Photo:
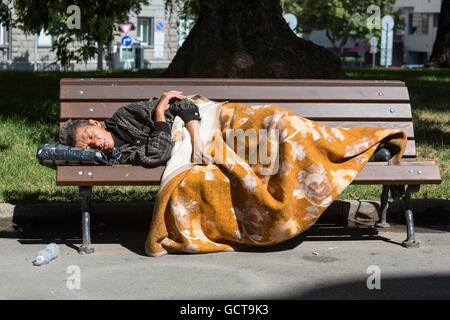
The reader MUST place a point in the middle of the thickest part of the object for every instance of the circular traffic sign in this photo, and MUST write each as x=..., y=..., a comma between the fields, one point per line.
x=126, y=41
x=291, y=20
x=159, y=25
x=373, y=41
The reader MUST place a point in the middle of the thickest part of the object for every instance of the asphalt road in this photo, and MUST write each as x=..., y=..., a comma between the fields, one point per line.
x=326, y=262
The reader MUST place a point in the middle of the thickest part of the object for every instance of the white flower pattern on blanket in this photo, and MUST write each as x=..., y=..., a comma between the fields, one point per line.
x=213, y=207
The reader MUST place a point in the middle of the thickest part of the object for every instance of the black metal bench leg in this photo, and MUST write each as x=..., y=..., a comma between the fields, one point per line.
x=383, y=208
x=410, y=241
x=86, y=247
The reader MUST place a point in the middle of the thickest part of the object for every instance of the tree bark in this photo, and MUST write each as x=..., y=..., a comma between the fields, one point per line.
x=333, y=41
x=342, y=45
x=440, y=56
x=249, y=39
x=100, y=57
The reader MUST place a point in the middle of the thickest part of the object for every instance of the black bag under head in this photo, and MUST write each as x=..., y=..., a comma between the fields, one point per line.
x=54, y=154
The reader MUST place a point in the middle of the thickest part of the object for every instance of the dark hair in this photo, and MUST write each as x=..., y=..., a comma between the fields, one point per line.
x=67, y=132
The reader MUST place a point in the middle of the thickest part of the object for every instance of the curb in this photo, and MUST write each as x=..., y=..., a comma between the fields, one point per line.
x=351, y=210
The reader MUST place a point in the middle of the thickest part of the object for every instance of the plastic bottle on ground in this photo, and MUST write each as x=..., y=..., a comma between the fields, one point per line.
x=47, y=254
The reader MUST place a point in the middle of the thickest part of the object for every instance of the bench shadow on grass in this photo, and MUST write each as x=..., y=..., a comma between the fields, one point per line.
x=60, y=196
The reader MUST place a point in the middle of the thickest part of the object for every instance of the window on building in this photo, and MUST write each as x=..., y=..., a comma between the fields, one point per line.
x=418, y=23
x=145, y=30
x=435, y=20
x=45, y=39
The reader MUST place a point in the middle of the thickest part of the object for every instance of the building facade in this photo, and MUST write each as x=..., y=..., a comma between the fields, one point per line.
x=421, y=21
x=413, y=44
x=155, y=39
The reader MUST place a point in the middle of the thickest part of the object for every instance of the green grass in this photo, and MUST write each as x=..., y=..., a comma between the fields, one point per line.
x=29, y=111
x=429, y=91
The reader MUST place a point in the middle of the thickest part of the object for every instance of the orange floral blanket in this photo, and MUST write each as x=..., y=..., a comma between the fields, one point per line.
x=274, y=174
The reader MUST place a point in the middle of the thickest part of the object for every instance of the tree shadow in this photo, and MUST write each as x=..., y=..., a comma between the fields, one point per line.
x=127, y=223
x=428, y=132
x=64, y=196
x=3, y=147
x=322, y=232
x=106, y=227
x=404, y=288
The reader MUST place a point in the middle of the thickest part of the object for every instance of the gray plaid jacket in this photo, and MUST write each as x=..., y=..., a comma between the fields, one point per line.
x=150, y=148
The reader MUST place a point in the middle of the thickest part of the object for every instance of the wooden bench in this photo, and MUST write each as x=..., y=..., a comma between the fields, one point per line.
x=343, y=103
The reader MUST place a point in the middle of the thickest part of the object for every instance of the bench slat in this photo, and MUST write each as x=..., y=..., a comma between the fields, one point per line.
x=336, y=103
x=228, y=81
x=410, y=151
x=372, y=173
x=242, y=93
x=406, y=126
x=314, y=111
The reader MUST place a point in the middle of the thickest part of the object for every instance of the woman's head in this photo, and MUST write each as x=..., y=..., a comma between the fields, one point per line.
x=86, y=134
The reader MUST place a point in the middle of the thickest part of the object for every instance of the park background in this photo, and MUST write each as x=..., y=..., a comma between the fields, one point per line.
x=29, y=82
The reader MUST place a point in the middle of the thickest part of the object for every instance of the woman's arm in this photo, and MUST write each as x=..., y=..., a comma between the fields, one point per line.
x=198, y=150
x=199, y=154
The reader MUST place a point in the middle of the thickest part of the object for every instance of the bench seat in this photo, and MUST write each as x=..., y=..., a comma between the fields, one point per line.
x=412, y=172
x=335, y=103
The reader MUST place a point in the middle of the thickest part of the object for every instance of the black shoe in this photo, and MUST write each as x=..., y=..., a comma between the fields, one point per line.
x=381, y=154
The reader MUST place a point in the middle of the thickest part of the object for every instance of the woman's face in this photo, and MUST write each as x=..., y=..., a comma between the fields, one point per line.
x=93, y=137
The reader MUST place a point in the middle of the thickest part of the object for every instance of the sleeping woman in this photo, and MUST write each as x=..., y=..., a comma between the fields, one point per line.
x=141, y=130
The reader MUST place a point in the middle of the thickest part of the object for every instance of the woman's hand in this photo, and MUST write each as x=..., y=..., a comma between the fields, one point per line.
x=166, y=98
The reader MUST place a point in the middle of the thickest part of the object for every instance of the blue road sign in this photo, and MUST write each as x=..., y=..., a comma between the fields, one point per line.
x=127, y=41
x=159, y=26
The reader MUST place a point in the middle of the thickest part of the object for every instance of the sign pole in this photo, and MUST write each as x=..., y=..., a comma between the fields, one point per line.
x=158, y=48
x=373, y=49
x=387, y=47
x=35, y=51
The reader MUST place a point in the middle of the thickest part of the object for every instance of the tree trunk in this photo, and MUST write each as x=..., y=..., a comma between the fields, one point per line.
x=440, y=57
x=249, y=39
x=342, y=46
x=333, y=42
x=100, y=57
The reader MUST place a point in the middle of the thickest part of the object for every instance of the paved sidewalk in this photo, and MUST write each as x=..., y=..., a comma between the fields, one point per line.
x=326, y=262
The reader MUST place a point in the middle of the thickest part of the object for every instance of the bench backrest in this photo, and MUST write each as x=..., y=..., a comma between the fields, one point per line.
x=336, y=103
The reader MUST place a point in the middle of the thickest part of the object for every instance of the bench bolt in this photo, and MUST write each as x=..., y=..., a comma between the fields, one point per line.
x=392, y=110
x=411, y=171
x=81, y=92
x=91, y=109
x=89, y=173
x=80, y=173
x=380, y=93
